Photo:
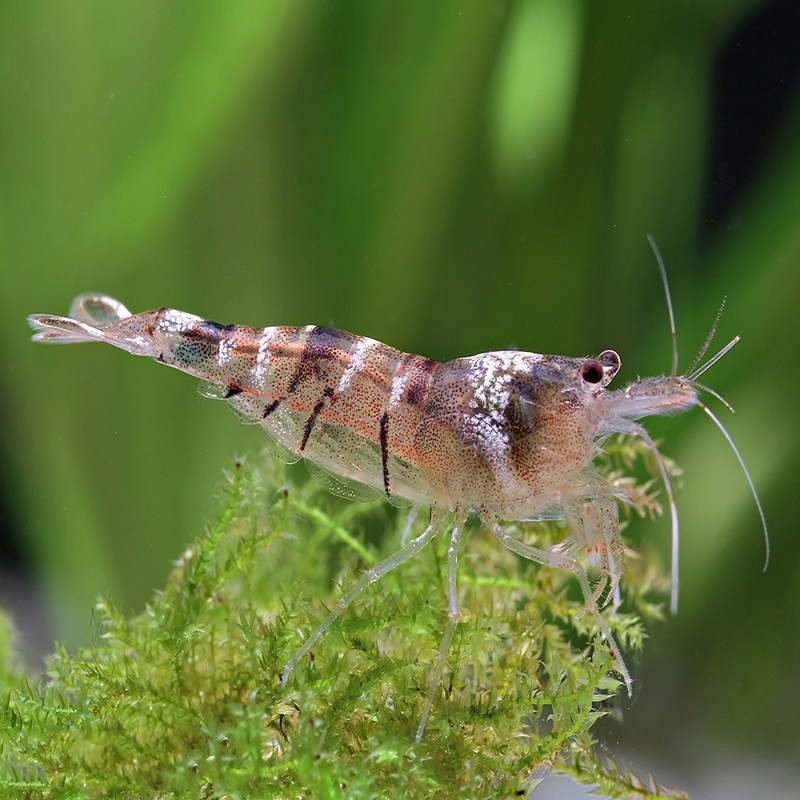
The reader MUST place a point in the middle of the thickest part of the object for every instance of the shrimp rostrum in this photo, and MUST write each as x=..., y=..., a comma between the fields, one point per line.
x=507, y=435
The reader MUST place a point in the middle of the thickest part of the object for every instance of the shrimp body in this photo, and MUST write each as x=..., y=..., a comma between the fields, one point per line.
x=507, y=435
x=503, y=434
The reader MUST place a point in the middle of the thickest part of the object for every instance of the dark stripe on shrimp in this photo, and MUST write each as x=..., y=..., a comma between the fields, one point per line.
x=321, y=343
x=313, y=417
x=270, y=408
x=421, y=371
x=384, y=437
x=206, y=331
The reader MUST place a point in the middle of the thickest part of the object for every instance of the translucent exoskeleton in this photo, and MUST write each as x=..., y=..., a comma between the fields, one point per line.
x=507, y=435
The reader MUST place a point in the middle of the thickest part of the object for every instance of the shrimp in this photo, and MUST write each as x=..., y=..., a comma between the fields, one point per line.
x=506, y=435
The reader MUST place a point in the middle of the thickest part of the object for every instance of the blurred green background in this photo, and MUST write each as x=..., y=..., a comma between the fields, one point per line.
x=448, y=178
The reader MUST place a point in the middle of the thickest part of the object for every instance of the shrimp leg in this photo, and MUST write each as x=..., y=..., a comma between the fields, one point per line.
x=453, y=615
x=560, y=561
x=369, y=577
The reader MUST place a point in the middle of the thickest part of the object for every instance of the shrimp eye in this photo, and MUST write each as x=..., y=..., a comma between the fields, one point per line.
x=592, y=371
x=610, y=360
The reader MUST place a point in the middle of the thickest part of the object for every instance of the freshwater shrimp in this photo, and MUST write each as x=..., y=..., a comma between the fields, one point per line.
x=506, y=435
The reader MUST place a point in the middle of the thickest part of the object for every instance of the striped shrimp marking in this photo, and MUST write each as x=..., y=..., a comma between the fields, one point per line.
x=507, y=435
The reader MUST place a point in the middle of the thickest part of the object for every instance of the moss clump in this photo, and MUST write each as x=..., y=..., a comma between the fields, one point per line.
x=185, y=699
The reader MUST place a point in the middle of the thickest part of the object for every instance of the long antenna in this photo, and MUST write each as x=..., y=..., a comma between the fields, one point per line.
x=669, y=305
x=747, y=477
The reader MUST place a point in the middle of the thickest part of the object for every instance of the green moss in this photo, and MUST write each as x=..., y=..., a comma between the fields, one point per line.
x=185, y=699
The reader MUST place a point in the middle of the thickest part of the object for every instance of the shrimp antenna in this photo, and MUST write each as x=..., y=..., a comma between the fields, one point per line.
x=663, y=270
x=692, y=376
x=711, y=361
x=713, y=393
x=707, y=342
x=673, y=507
x=746, y=475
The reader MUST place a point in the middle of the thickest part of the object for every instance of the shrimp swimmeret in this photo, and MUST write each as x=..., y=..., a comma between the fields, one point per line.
x=508, y=435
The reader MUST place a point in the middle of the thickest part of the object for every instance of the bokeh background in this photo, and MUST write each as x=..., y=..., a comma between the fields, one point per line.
x=448, y=177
